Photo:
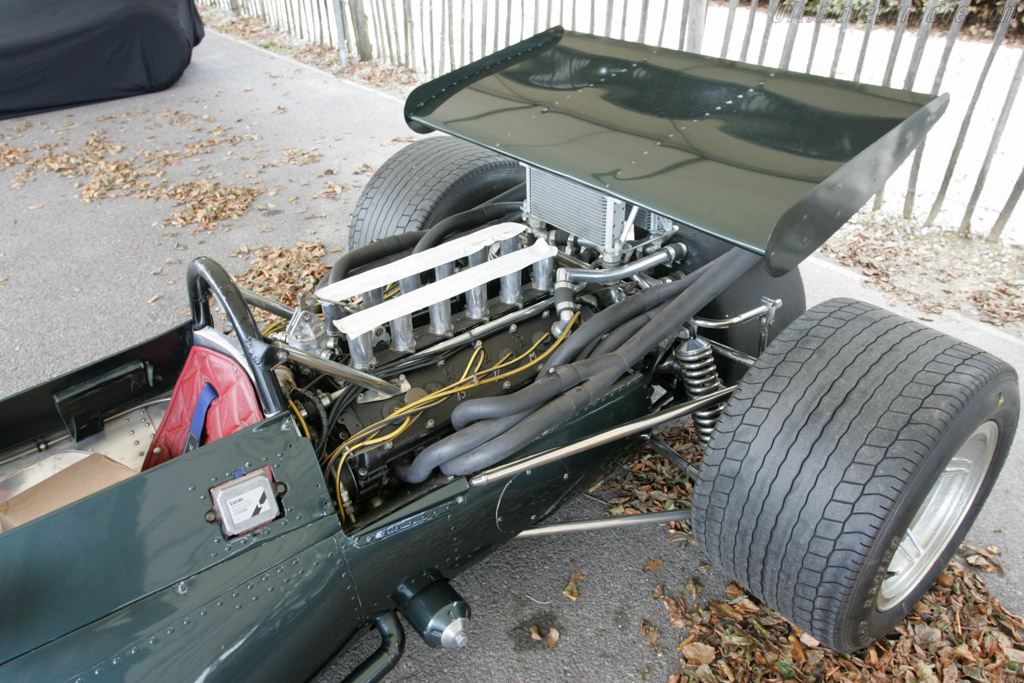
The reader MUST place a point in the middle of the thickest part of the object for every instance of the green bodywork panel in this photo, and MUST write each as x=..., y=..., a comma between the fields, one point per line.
x=770, y=160
x=135, y=539
x=276, y=613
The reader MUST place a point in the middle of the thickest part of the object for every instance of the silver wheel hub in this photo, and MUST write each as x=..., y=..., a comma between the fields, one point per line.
x=939, y=516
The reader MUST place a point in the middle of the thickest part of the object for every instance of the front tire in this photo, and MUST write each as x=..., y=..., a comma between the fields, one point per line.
x=849, y=464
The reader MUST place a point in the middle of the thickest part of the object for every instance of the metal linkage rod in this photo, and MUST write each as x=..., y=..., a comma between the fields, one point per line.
x=663, y=449
x=606, y=523
x=620, y=432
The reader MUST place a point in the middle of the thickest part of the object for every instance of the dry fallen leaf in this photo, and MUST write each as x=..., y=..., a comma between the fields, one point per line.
x=36, y=206
x=653, y=564
x=649, y=633
x=535, y=633
x=675, y=610
x=153, y=298
x=698, y=653
x=571, y=591
x=552, y=638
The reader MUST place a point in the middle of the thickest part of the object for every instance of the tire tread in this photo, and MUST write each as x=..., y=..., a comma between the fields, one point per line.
x=794, y=487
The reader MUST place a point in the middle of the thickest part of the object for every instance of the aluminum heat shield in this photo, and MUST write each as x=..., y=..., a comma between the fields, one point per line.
x=771, y=160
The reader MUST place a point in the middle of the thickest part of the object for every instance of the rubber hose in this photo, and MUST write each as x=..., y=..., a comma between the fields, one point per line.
x=729, y=267
x=453, y=446
x=620, y=334
x=373, y=251
x=539, y=421
x=472, y=218
x=556, y=381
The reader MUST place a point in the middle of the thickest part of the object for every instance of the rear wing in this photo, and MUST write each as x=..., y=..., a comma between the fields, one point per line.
x=770, y=160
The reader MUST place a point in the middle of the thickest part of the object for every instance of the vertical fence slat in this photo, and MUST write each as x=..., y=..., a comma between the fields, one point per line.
x=497, y=22
x=818, y=17
x=318, y=20
x=749, y=31
x=408, y=27
x=484, y=27
x=1004, y=215
x=467, y=29
x=696, y=18
x=901, y=26
x=339, y=18
x=608, y=18
x=642, y=33
x=385, y=29
x=1004, y=115
x=664, y=22
x=434, y=59
x=593, y=15
x=683, y=24
x=922, y=38
x=915, y=168
x=872, y=15
x=359, y=28
x=997, y=40
x=794, y=24
x=451, y=33
x=536, y=16
x=844, y=23
x=306, y=12
x=733, y=4
x=508, y=23
x=392, y=49
x=398, y=24
x=773, y=6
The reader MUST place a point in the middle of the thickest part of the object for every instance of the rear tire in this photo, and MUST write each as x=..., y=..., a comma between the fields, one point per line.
x=428, y=181
x=848, y=466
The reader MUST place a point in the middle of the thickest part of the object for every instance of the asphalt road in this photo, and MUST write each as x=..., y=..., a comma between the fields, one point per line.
x=78, y=283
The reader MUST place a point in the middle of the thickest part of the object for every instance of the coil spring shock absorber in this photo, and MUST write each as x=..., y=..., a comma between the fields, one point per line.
x=700, y=377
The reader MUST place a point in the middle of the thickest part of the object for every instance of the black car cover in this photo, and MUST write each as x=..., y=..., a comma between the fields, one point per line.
x=61, y=53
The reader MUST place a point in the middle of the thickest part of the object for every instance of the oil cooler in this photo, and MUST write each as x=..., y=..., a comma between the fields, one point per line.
x=588, y=214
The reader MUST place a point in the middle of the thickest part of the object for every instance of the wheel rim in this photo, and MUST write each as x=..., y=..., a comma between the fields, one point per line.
x=939, y=516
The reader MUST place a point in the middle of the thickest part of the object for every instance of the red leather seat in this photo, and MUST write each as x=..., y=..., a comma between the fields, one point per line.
x=235, y=407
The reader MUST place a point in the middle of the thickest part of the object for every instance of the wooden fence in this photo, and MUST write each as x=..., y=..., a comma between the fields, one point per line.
x=969, y=174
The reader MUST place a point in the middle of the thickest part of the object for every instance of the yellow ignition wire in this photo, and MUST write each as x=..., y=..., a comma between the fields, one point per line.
x=298, y=416
x=369, y=433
